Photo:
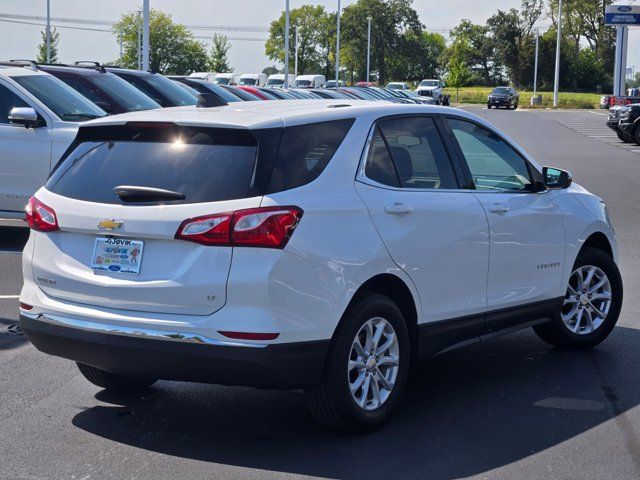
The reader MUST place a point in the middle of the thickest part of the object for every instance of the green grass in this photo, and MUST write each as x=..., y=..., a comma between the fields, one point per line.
x=565, y=99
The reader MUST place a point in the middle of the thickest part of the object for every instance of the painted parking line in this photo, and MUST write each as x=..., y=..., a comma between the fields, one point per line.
x=9, y=297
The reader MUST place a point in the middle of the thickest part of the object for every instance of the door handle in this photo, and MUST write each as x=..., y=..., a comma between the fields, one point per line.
x=498, y=208
x=398, y=209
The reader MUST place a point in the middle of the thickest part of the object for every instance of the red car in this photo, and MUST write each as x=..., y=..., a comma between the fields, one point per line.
x=365, y=84
x=258, y=93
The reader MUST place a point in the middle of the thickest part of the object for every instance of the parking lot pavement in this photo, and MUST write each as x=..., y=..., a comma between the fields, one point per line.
x=509, y=408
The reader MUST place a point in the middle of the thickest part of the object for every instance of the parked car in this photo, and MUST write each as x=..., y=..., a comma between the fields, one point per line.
x=252, y=80
x=628, y=118
x=212, y=95
x=503, y=97
x=303, y=246
x=226, y=78
x=433, y=88
x=329, y=93
x=309, y=81
x=279, y=93
x=39, y=118
x=208, y=76
x=398, y=86
x=262, y=94
x=108, y=91
x=365, y=84
x=415, y=97
x=242, y=93
x=333, y=84
x=157, y=87
x=277, y=80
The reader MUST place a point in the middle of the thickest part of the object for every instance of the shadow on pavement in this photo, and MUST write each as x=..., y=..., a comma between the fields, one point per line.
x=12, y=239
x=464, y=413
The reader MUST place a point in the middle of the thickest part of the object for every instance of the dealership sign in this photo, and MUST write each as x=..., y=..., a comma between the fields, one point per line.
x=622, y=15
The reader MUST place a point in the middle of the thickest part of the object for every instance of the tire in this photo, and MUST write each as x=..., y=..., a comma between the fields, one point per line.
x=636, y=135
x=488, y=106
x=625, y=137
x=113, y=381
x=559, y=334
x=515, y=107
x=331, y=403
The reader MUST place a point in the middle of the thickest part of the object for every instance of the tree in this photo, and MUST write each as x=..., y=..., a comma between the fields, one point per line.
x=219, y=50
x=172, y=46
x=395, y=30
x=459, y=73
x=480, y=54
x=271, y=70
x=42, y=48
x=312, y=24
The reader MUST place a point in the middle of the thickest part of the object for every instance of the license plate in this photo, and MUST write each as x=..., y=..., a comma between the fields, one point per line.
x=118, y=255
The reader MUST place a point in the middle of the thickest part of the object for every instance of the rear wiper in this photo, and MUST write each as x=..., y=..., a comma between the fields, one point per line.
x=134, y=193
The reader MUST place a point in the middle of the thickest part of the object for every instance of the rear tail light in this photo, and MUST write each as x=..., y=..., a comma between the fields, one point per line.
x=41, y=217
x=266, y=227
x=25, y=306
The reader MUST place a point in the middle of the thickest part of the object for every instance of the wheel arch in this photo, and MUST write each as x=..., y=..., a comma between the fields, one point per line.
x=600, y=241
x=397, y=290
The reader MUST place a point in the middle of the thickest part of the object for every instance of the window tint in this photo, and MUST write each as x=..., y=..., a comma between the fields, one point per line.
x=379, y=166
x=494, y=165
x=65, y=102
x=206, y=165
x=130, y=98
x=162, y=90
x=418, y=153
x=8, y=100
x=305, y=151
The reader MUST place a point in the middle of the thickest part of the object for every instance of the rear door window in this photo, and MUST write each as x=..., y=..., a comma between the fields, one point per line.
x=305, y=151
x=205, y=165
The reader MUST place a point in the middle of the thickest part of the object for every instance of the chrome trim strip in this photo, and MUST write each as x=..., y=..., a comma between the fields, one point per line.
x=137, y=332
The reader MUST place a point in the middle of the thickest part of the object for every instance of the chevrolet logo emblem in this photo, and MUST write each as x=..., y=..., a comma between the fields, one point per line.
x=109, y=225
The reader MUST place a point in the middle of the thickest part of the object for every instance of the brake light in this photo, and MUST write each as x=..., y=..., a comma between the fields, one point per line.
x=40, y=217
x=266, y=227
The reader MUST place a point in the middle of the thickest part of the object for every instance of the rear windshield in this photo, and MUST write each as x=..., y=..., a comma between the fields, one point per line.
x=221, y=80
x=248, y=81
x=205, y=165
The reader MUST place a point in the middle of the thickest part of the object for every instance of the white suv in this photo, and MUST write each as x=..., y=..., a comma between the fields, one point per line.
x=320, y=245
x=39, y=118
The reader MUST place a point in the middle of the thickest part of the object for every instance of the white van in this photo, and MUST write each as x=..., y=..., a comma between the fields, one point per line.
x=277, y=80
x=253, y=79
x=208, y=76
x=226, y=79
x=310, y=81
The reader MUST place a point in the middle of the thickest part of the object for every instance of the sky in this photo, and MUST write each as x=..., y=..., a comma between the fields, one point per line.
x=20, y=41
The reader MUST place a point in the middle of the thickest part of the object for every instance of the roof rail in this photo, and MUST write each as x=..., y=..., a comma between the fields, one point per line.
x=89, y=64
x=19, y=62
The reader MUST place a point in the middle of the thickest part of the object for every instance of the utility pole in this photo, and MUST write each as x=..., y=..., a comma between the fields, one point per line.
x=286, y=45
x=338, y=47
x=139, y=40
x=295, y=70
x=145, y=35
x=48, y=31
x=368, y=47
x=535, y=68
x=556, y=82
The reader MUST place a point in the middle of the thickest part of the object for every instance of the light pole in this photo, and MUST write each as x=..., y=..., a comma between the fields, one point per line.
x=535, y=68
x=48, y=31
x=139, y=40
x=338, y=47
x=145, y=35
x=368, y=46
x=556, y=82
x=286, y=45
x=295, y=69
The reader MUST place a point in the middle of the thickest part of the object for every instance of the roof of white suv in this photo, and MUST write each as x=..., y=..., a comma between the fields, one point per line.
x=275, y=113
x=19, y=71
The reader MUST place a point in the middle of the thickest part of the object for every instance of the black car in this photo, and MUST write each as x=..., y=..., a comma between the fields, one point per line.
x=156, y=86
x=212, y=95
x=503, y=97
x=108, y=91
x=624, y=121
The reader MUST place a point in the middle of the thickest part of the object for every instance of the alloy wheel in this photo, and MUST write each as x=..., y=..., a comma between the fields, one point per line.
x=587, y=301
x=373, y=364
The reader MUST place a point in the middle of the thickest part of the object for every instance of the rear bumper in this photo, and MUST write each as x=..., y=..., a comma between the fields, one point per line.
x=178, y=357
x=613, y=124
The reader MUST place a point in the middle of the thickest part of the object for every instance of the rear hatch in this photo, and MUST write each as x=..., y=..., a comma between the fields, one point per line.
x=115, y=247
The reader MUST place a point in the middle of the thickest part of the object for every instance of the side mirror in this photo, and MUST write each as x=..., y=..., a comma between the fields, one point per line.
x=25, y=116
x=554, y=178
x=107, y=107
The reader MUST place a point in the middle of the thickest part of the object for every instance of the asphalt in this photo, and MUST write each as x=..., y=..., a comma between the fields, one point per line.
x=509, y=408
